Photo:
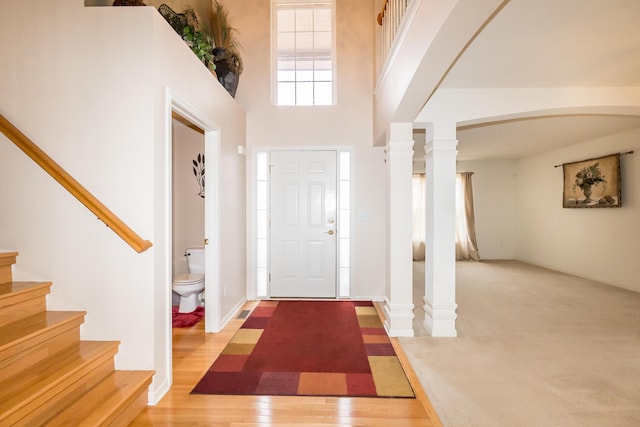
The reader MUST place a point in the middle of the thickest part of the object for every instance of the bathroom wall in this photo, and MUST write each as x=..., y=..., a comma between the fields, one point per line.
x=188, y=206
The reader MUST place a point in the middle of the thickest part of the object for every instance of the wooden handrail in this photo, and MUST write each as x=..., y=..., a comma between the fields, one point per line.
x=381, y=14
x=73, y=186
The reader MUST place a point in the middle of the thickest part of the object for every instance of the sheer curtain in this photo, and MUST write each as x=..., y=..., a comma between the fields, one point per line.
x=419, y=201
x=466, y=244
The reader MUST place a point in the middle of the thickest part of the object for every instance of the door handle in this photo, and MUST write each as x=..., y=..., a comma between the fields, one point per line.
x=330, y=232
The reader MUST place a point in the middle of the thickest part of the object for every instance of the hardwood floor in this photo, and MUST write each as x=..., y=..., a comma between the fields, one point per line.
x=193, y=353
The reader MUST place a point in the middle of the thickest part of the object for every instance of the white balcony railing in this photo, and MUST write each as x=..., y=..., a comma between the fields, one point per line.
x=390, y=18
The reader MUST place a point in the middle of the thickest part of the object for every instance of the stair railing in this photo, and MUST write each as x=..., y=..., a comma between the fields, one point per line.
x=390, y=18
x=73, y=186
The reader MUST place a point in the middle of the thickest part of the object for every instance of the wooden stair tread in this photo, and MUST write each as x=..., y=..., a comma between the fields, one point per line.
x=16, y=288
x=25, y=329
x=47, y=375
x=104, y=402
x=66, y=367
x=8, y=258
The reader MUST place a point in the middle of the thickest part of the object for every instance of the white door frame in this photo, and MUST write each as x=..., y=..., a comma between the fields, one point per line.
x=343, y=289
x=212, y=217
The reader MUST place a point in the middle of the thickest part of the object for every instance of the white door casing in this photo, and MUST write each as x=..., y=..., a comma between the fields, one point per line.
x=303, y=224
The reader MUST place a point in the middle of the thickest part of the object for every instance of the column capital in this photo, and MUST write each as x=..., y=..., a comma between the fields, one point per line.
x=441, y=146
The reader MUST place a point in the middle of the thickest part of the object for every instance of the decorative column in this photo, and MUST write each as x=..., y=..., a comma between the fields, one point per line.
x=440, y=261
x=398, y=306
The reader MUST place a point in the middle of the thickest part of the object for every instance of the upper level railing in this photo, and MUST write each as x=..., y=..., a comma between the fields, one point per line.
x=73, y=186
x=390, y=18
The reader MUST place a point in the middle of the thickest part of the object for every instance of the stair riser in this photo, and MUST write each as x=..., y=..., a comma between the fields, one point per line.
x=66, y=397
x=121, y=396
x=48, y=335
x=130, y=412
x=14, y=312
x=5, y=274
x=37, y=354
x=54, y=397
x=6, y=261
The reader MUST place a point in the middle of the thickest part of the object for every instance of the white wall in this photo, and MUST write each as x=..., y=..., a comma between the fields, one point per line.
x=494, y=201
x=88, y=85
x=599, y=244
x=347, y=124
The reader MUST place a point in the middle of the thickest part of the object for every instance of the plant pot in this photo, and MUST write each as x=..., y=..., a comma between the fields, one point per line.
x=224, y=69
x=587, y=194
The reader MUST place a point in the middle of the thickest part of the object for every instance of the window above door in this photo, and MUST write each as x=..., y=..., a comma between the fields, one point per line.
x=303, y=52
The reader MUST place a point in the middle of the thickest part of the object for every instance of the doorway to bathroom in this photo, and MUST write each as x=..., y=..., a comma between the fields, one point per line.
x=188, y=194
x=195, y=145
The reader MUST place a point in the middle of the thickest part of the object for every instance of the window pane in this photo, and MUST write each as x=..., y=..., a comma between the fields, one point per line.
x=304, y=93
x=304, y=46
x=322, y=45
x=261, y=274
x=345, y=194
x=286, y=19
x=344, y=252
x=261, y=224
x=322, y=76
x=345, y=229
x=345, y=165
x=304, y=75
x=322, y=19
x=261, y=164
x=323, y=93
x=286, y=45
x=286, y=76
x=344, y=282
x=304, y=19
x=261, y=195
x=286, y=94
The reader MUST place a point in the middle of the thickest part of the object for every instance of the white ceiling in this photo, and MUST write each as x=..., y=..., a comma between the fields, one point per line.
x=549, y=43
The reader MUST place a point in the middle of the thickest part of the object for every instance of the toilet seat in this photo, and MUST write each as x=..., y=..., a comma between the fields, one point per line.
x=188, y=279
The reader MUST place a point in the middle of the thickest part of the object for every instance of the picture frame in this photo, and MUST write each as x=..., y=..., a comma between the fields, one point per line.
x=592, y=183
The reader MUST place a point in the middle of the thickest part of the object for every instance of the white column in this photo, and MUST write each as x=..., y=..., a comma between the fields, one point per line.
x=399, y=299
x=440, y=263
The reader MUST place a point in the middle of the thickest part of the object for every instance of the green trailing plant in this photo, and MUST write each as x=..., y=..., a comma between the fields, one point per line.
x=187, y=25
x=200, y=43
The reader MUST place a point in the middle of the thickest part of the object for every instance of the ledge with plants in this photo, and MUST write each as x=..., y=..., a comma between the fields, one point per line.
x=218, y=53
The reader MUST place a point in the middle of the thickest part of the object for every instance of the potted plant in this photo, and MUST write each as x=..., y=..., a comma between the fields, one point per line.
x=587, y=177
x=187, y=26
x=226, y=51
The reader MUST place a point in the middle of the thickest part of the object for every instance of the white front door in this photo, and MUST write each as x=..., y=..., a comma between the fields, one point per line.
x=303, y=224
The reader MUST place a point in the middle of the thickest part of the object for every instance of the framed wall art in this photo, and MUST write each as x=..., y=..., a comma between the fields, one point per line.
x=592, y=183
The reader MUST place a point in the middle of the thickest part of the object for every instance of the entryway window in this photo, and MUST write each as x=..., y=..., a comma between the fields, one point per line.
x=303, y=46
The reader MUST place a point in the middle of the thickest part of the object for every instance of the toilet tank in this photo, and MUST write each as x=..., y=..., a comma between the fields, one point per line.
x=195, y=259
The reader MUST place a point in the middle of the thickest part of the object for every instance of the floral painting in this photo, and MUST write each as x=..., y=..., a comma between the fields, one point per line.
x=593, y=183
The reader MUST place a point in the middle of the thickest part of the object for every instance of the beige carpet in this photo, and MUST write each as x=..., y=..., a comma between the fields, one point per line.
x=534, y=348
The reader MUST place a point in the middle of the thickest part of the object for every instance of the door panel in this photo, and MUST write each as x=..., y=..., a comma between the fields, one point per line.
x=303, y=218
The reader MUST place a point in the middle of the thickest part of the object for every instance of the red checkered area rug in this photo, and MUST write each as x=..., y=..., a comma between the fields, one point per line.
x=309, y=348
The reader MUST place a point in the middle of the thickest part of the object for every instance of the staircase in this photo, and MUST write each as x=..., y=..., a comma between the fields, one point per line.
x=47, y=375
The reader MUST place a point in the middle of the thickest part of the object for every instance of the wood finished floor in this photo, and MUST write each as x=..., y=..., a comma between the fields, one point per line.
x=193, y=353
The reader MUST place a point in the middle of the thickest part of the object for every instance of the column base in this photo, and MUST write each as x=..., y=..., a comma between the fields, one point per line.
x=440, y=319
x=399, y=319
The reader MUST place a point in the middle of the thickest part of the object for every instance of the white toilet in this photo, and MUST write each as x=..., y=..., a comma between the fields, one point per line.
x=189, y=286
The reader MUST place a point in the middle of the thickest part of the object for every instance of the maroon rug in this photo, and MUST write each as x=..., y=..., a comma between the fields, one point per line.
x=187, y=320
x=319, y=348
